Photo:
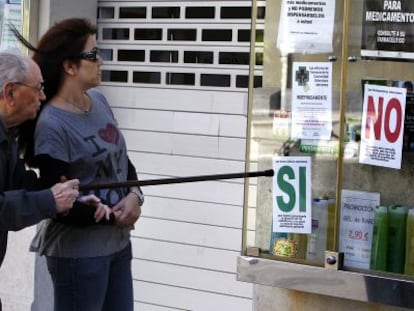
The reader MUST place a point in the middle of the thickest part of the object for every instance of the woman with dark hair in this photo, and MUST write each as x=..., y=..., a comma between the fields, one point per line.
x=76, y=135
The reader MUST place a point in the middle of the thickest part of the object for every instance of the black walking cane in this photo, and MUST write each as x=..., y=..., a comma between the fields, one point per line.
x=163, y=181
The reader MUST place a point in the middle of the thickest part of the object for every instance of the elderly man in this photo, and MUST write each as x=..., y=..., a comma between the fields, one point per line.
x=20, y=95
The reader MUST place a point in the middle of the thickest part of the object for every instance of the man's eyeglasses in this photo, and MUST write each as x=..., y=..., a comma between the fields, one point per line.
x=39, y=88
x=92, y=56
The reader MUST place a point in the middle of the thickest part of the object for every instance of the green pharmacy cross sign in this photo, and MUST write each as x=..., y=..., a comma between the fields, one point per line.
x=302, y=76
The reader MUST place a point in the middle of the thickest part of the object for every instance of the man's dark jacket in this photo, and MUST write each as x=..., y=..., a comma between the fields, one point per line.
x=18, y=208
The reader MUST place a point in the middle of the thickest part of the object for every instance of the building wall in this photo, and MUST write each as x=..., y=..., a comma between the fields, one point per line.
x=25, y=284
x=178, y=89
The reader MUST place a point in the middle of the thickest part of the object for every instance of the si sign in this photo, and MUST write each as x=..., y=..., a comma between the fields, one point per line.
x=292, y=195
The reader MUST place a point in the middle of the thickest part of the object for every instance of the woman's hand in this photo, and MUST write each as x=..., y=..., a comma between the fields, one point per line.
x=127, y=211
x=102, y=210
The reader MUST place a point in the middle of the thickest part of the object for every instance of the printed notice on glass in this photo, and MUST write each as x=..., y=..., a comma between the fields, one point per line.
x=292, y=208
x=311, y=100
x=306, y=26
x=388, y=29
x=382, y=127
x=356, y=227
x=281, y=124
x=11, y=14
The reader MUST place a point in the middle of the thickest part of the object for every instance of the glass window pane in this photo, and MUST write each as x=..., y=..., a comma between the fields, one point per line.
x=166, y=12
x=114, y=76
x=216, y=35
x=115, y=34
x=131, y=55
x=236, y=12
x=180, y=78
x=147, y=34
x=106, y=54
x=234, y=58
x=149, y=77
x=199, y=12
x=182, y=34
x=215, y=80
x=198, y=57
x=106, y=12
x=164, y=56
x=132, y=12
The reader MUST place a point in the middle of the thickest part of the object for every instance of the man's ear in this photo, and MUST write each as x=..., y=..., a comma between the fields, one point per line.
x=8, y=91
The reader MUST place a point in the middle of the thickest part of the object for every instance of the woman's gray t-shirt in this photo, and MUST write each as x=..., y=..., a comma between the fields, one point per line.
x=95, y=149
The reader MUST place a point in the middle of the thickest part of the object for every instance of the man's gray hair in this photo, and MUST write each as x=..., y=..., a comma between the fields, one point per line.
x=14, y=67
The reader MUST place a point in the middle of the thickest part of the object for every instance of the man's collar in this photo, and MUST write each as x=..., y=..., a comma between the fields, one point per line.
x=3, y=130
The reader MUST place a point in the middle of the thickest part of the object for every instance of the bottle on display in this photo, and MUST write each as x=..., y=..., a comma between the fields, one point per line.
x=317, y=240
x=300, y=243
x=280, y=245
x=292, y=245
x=396, y=238
x=330, y=239
x=288, y=245
x=409, y=244
x=378, y=260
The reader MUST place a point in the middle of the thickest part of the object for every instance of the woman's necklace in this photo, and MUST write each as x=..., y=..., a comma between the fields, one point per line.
x=84, y=107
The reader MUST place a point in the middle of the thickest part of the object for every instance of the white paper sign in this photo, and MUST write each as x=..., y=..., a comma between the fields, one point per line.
x=306, y=26
x=12, y=14
x=382, y=126
x=356, y=227
x=281, y=124
x=292, y=206
x=311, y=100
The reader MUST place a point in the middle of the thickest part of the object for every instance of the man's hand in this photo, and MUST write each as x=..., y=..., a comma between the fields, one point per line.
x=65, y=194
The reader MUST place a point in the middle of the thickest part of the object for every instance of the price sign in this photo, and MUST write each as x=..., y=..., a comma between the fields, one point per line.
x=356, y=227
x=358, y=235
